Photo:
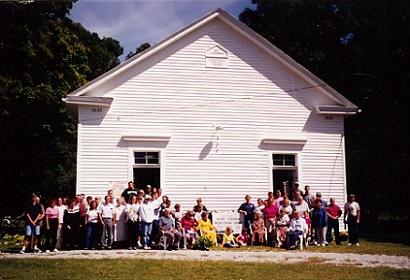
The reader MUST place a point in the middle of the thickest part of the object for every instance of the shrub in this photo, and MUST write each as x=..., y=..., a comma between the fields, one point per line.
x=203, y=243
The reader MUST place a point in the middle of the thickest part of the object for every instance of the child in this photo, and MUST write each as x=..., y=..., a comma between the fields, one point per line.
x=228, y=239
x=258, y=228
x=308, y=222
x=243, y=238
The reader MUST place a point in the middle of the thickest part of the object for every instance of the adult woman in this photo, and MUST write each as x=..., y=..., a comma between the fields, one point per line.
x=61, y=209
x=206, y=227
x=120, y=223
x=132, y=216
x=297, y=227
x=188, y=225
x=92, y=225
x=319, y=222
x=147, y=212
x=258, y=229
x=72, y=222
x=270, y=211
x=260, y=207
x=52, y=226
x=282, y=224
x=286, y=206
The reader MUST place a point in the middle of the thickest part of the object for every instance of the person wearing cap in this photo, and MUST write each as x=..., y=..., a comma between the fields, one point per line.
x=319, y=197
x=148, y=190
x=167, y=228
x=319, y=223
x=352, y=212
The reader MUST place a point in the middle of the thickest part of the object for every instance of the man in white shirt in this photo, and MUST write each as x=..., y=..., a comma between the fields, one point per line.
x=107, y=215
x=352, y=211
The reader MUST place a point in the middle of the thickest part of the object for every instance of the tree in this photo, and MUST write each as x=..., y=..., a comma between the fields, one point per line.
x=44, y=56
x=138, y=50
x=361, y=49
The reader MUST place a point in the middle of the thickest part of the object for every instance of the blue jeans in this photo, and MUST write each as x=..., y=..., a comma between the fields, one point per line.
x=146, y=233
x=91, y=235
x=293, y=236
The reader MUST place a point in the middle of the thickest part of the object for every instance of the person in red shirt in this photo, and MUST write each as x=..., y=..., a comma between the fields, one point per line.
x=333, y=214
x=270, y=212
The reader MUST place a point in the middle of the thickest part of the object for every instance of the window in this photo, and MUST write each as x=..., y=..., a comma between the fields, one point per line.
x=283, y=160
x=146, y=158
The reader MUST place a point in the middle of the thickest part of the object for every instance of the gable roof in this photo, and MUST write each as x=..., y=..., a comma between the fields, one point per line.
x=89, y=93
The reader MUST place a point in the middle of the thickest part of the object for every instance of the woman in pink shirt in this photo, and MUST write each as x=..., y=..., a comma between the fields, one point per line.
x=270, y=212
x=52, y=226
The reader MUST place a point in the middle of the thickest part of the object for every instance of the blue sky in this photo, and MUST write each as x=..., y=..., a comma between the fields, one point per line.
x=133, y=22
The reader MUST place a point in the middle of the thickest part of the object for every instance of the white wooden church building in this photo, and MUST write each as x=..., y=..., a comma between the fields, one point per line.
x=213, y=111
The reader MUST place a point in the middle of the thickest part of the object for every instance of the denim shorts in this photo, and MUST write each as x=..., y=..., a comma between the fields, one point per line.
x=30, y=229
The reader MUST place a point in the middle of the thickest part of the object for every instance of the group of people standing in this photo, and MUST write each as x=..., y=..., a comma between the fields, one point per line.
x=282, y=219
x=139, y=218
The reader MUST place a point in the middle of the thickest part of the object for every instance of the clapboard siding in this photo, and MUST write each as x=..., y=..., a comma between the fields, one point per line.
x=174, y=94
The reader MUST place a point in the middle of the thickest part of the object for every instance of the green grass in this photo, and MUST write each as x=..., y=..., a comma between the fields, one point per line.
x=168, y=269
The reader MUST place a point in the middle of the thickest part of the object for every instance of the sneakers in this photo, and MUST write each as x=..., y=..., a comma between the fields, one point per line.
x=55, y=250
x=37, y=250
x=130, y=248
x=22, y=251
x=147, y=248
x=357, y=244
x=134, y=248
x=47, y=251
x=139, y=244
x=350, y=244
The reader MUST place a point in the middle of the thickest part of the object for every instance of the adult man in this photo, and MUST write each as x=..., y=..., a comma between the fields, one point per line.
x=34, y=213
x=166, y=225
x=128, y=192
x=247, y=209
x=296, y=188
x=107, y=217
x=333, y=214
x=148, y=190
x=319, y=197
x=300, y=205
x=309, y=197
x=352, y=212
x=110, y=193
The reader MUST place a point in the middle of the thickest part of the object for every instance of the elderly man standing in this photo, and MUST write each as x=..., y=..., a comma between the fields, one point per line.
x=166, y=224
x=352, y=212
x=333, y=214
x=107, y=215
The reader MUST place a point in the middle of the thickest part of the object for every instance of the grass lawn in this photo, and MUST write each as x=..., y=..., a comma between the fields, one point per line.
x=169, y=269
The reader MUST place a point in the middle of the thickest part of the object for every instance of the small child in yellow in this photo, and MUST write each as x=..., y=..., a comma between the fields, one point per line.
x=228, y=239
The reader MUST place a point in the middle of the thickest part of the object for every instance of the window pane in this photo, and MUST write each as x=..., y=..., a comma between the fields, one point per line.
x=152, y=158
x=290, y=160
x=146, y=157
x=283, y=160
